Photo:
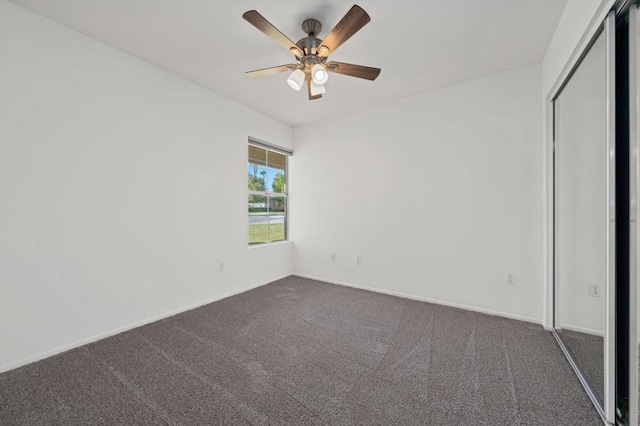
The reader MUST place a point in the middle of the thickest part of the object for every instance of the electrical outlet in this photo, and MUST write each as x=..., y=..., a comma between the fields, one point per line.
x=358, y=260
x=333, y=257
x=511, y=279
x=221, y=267
x=595, y=290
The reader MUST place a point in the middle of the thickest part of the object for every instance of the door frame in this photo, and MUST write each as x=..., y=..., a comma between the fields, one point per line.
x=634, y=215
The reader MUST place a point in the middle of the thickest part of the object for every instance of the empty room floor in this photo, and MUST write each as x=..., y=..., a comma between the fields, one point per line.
x=299, y=351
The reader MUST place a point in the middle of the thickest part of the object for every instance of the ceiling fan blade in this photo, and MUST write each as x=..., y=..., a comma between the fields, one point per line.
x=258, y=21
x=360, y=71
x=351, y=23
x=311, y=97
x=270, y=71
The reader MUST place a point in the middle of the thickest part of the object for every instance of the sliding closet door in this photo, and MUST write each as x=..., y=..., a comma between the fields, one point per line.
x=596, y=174
x=584, y=229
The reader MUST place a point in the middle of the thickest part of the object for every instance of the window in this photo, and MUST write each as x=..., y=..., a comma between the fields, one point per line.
x=267, y=200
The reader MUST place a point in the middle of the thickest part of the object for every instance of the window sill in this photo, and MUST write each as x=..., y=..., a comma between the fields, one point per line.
x=276, y=243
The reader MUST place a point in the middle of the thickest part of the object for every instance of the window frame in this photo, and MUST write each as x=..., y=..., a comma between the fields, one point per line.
x=271, y=194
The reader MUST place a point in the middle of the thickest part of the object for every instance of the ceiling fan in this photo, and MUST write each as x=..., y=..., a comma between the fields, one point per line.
x=312, y=53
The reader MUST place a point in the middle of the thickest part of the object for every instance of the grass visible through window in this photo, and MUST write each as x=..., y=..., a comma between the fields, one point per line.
x=258, y=233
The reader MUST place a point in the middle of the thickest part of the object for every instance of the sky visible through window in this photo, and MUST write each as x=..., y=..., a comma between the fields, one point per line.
x=268, y=175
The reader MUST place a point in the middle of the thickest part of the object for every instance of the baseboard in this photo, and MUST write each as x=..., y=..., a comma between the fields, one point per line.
x=64, y=348
x=425, y=299
x=581, y=330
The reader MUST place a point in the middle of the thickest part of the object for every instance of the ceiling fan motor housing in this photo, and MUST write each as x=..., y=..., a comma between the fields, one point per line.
x=310, y=44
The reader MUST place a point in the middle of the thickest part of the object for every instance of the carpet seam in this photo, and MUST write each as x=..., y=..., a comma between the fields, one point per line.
x=512, y=381
x=276, y=385
x=226, y=392
x=137, y=395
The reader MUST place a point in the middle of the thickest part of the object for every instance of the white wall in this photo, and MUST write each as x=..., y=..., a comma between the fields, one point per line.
x=121, y=187
x=440, y=194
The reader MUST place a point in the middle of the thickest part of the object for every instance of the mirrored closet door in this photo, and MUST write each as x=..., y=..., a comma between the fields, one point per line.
x=580, y=230
x=584, y=235
x=596, y=236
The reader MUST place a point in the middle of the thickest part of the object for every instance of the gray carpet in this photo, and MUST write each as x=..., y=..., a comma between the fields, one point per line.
x=587, y=351
x=301, y=352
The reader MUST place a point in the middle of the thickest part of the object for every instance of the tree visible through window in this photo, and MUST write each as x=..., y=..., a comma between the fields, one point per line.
x=267, y=200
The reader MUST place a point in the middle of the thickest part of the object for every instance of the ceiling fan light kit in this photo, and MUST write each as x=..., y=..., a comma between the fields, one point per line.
x=296, y=80
x=317, y=89
x=319, y=74
x=312, y=53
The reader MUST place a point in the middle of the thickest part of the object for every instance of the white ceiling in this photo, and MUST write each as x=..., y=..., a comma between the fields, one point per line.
x=420, y=45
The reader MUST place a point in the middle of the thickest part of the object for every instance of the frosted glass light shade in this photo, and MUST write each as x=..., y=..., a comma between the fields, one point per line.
x=296, y=80
x=319, y=74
